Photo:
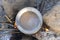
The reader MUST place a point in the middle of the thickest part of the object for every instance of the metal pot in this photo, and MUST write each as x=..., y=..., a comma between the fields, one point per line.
x=29, y=20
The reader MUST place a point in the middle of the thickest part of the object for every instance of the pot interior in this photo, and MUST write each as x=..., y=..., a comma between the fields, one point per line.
x=29, y=20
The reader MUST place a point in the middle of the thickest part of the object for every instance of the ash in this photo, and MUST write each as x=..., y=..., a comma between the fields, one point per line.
x=44, y=6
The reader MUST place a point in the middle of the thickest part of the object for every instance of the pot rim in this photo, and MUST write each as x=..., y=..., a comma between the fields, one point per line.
x=18, y=18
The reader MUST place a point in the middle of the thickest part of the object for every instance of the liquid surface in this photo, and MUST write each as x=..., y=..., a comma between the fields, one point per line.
x=29, y=20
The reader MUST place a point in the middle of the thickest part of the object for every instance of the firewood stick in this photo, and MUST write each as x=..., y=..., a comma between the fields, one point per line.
x=8, y=19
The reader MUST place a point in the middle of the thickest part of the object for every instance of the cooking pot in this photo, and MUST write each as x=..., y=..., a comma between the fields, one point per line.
x=29, y=20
